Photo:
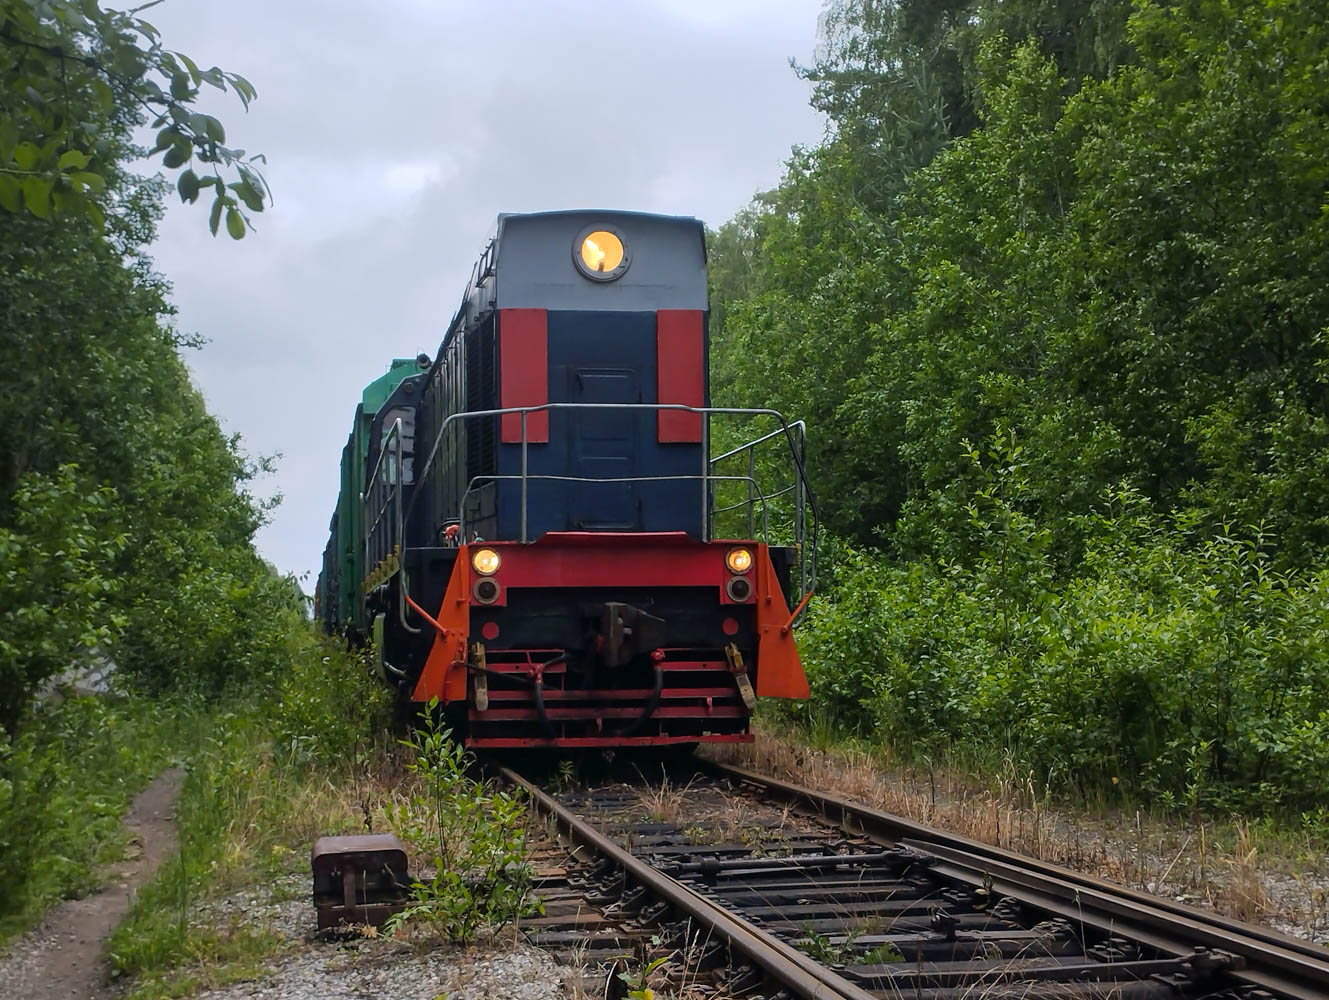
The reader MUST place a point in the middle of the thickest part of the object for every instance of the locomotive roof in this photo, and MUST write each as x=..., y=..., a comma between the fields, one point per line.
x=377, y=391
x=528, y=262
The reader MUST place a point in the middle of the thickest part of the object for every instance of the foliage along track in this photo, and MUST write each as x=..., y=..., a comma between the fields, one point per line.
x=767, y=888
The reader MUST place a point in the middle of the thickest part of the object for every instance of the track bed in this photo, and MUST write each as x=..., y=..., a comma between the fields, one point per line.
x=746, y=886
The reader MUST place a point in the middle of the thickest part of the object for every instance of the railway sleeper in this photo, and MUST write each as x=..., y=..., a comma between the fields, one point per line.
x=920, y=948
x=894, y=862
x=983, y=973
x=833, y=909
x=693, y=850
x=833, y=895
x=1151, y=990
x=838, y=924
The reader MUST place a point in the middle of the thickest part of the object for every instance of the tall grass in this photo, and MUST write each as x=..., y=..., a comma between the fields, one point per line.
x=273, y=771
x=65, y=782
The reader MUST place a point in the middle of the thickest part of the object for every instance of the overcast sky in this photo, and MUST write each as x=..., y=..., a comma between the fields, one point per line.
x=395, y=131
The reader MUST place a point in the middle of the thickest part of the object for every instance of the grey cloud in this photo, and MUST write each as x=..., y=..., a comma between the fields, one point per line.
x=395, y=133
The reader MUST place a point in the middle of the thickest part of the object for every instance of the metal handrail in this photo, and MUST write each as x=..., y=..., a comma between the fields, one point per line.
x=799, y=424
x=743, y=503
x=805, y=503
x=477, y=481
x=807, y=567
x=393, y=500
x=394, y=435
x=704, y=411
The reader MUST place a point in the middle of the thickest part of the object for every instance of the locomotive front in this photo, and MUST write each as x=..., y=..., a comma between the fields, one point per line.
x=542, y=504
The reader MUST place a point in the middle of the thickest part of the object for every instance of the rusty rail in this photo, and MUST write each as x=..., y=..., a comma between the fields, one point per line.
x=782, y=963
x=1262, y=958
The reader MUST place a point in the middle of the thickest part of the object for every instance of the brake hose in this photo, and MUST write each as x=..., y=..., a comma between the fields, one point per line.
x=538, y=693
x=652, y=702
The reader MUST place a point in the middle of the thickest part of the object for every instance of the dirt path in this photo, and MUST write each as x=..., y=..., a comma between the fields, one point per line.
x=62, y=959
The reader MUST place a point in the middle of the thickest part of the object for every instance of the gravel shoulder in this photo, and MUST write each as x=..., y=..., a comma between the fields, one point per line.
x=357, y=965
x=388, y=969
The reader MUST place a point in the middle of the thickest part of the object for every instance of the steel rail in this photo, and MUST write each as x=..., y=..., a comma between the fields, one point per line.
x=1290, y=966
x=781, y=962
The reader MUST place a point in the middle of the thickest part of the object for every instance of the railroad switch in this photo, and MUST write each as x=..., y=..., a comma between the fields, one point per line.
x=745, y=979
x=1204, y=964
x=946, y=923
x=653, y=914
x=631, y=902
x=898, y=860
x=711, y=955
x=1008, y=909
x=1114, y=949
x=1056, y=929
x=957, y=897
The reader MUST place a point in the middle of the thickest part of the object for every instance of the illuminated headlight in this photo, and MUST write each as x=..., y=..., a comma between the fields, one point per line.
x=739, y=560
x=486, y=562
x=600, y=254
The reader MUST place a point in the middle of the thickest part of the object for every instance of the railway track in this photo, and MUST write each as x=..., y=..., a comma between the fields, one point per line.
x=744, y=886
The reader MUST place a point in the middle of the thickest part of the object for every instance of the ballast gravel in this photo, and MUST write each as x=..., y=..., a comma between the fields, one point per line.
x=350, y=966
x=383, y=970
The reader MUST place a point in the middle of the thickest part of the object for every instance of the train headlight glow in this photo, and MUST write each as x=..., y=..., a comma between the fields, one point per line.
x=738, y=560
x=486, y=562
x=600, y=254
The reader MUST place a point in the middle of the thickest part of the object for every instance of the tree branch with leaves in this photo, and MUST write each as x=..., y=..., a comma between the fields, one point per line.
x=75, y=79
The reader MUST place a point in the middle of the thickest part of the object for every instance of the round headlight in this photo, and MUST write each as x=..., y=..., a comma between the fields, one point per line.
x=600, y=254
x=485, y=561
x=738, y=560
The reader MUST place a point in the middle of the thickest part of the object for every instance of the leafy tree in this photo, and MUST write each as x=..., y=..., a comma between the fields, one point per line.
x=56, y=594
x=74, y=78
x=1050, y=295
x=126, y=515
x=1120, y=264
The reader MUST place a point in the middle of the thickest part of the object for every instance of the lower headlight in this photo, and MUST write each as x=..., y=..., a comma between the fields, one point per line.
x=739, y=588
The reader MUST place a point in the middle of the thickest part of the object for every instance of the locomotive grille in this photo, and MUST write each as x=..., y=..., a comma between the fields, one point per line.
x=481, y=394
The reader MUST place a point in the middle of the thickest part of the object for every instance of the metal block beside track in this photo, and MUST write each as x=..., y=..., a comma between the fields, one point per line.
x=359, y=880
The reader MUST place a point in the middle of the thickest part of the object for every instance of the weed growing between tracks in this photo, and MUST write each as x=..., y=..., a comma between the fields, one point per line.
x=829, y=951
x=472, y=837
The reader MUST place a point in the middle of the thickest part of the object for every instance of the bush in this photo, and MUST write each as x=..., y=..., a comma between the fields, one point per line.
x=65, y=782
x=54, y=585
x=1180, y=669
x=328, y=705
x=282, y=762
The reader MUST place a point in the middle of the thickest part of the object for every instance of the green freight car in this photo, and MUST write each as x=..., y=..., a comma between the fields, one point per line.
x=337, y=598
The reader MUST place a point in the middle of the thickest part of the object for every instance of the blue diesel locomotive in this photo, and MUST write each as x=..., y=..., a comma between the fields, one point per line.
x=529, y=521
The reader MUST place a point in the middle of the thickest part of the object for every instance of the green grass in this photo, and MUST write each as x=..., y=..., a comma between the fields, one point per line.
x=269, y=774
x=66, y=781
x=268, y=770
